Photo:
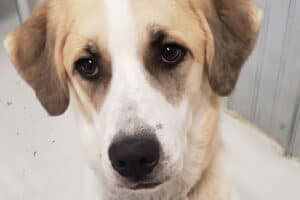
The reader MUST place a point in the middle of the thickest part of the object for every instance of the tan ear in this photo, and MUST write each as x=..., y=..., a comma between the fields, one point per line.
x=31, y=49
x=234, y=25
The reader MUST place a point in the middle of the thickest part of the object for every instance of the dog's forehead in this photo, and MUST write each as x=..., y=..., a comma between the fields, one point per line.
x=121, y=31
x=93, y=17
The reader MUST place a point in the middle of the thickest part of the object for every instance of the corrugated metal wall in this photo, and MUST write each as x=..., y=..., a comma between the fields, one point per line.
x=268, y=92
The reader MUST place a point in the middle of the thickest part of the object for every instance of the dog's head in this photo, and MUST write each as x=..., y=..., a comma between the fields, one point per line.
x=143, y=75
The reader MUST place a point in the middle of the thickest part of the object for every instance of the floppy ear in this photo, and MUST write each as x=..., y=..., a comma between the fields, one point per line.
x=234, y=27
x=31, y=49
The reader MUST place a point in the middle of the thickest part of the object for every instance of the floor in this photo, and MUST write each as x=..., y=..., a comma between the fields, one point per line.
x=258, y=167
x=41, y=156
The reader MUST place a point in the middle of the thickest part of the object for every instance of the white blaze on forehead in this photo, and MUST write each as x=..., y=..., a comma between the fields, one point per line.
x=121, y=30
x=128, y=77
x=123, y=44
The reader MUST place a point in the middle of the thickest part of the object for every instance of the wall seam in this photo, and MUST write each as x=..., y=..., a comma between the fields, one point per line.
x=282, y=62
x=257, y=77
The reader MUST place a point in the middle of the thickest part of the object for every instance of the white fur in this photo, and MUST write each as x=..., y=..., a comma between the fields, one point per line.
x=132, y=101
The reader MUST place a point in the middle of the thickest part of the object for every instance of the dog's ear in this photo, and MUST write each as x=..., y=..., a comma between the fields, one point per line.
x=233, y=28
x=31, y=48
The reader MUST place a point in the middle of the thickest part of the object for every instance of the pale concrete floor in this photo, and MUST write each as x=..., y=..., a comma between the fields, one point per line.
x=259, y=170
x=41, y=158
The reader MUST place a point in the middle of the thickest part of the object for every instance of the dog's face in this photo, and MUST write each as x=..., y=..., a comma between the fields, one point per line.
x=143, y=76
x=138, y=85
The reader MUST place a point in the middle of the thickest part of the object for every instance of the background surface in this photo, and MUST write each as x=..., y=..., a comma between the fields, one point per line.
x=268, y=92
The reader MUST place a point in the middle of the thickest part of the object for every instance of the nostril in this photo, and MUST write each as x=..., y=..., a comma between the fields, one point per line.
x=147, y=162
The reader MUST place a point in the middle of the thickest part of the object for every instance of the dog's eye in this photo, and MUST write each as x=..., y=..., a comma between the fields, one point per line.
x=172, y=54
x=88, y=68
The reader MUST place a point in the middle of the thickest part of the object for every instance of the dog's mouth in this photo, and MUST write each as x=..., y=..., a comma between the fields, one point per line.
x=145, y=186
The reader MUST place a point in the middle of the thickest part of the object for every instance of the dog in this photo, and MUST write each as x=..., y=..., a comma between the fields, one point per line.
x=145, y=79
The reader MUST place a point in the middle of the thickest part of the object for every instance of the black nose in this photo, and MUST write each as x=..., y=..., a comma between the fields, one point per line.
x=134, y=157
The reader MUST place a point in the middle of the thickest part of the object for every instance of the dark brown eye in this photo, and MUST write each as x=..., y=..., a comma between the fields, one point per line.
x=88, y=68
x=172, y=54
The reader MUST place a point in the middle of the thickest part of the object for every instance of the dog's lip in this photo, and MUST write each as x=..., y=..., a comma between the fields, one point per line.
x=145, y=186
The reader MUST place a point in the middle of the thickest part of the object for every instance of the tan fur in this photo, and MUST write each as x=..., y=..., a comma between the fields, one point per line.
x=32, y=47
x=220, y=35
x=172, y=84
x=234, y=25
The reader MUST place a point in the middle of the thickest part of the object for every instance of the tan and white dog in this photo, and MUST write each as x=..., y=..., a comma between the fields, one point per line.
x=145, y=78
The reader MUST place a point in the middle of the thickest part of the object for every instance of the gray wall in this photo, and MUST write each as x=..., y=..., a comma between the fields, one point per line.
x=32, y=3
x=268, y=92
x=25, y=7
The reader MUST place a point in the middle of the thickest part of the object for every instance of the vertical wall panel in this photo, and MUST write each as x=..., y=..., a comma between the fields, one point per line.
x=296, y=143
x=32, y=3
x=241, y=100
x=286, y=98
x=268, y=93
x=271, y=67
x=23, y=8
x=287, y=101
